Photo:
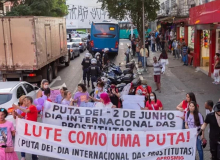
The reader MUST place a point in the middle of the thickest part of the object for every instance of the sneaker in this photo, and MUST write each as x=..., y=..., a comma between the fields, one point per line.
x=23, y=158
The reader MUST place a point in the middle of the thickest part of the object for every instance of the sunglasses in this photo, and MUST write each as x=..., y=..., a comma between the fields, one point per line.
x=2, y=109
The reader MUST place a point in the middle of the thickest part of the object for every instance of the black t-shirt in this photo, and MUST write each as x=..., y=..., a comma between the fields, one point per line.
x=214, y=128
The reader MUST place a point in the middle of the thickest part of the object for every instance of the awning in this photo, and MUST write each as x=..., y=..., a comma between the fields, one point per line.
x=185, y=20
x=205, y=14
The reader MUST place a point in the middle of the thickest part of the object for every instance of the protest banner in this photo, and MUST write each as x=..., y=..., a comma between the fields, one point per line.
x=135, y=102
x=111, y=119
x=80, y=144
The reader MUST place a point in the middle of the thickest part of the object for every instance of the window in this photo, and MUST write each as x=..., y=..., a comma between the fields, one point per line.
x=29, y=88
x=20, y=92
x=4, y=98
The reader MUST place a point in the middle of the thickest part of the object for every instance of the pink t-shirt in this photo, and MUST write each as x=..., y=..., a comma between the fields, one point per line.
x=5, y=133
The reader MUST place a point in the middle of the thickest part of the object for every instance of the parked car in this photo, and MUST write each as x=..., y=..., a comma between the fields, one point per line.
x=74, y=50
x=80, y=42
x=10, y=92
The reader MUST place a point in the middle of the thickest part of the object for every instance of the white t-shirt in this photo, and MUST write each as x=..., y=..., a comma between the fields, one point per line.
x=101, y=105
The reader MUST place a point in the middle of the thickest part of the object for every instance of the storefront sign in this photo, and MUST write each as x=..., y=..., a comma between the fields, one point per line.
x=78, y=144
x=111, y=119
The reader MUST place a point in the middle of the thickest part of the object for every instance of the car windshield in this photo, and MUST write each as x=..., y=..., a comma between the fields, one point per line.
x=76, y=40
x=4, y=98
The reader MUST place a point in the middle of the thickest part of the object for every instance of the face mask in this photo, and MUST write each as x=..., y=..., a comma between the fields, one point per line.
x=112, y=87
x=45, y=86
x=144, y=86
x=99, y=88
x=152, y=97
x=97, y=57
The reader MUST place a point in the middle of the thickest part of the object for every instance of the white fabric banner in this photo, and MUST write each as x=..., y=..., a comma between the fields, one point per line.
x=111, y=119
x=71, y=143
x=135, y=102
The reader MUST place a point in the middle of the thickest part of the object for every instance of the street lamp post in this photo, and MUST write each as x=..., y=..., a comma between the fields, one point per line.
x=144, y=39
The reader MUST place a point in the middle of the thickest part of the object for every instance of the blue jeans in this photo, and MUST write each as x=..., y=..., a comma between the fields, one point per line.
x=185, y=59
x=199, y=148
x=22, y=154
x=139, y=56
x=142, y=61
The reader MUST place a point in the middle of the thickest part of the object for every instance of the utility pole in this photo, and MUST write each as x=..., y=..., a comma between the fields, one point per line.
x=144, y=38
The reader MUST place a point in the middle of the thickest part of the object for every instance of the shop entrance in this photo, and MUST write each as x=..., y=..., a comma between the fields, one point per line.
x=204, y=56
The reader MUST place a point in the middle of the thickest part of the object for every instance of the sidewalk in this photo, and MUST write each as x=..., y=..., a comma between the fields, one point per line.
x=179, y=80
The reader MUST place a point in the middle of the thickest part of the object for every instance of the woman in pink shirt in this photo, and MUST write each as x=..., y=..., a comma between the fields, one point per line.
x=6, y=132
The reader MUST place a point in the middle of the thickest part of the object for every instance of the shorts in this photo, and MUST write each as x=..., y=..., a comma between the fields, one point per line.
x=157, y=78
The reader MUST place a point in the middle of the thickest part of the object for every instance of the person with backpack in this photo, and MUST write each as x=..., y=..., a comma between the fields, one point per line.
x=194, y=119
x=153, y=103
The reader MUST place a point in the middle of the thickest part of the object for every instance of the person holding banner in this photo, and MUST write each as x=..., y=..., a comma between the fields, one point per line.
x=44, y=85
x=47, y=93
x=67, y=99
x=105, y=102
x=98, y=91
x=194, y=119
x=60, y=97
x=114, y=95
x=6, y=132
x=153, y=103
x=82, y=95
x=30, y=113
x=144, y=88
x=184, y=105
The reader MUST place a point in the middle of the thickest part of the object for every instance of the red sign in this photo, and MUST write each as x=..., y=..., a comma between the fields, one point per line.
x=206, y=13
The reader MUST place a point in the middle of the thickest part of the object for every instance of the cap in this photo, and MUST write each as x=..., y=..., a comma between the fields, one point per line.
x=217, y=107
x=97, y=54
x=144, y=82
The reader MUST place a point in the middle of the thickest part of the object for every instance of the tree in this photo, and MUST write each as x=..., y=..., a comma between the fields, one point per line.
x=54, y=8
x=119, y=9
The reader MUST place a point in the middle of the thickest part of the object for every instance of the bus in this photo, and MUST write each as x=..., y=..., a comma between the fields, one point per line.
x=104, y=35
x=125, y=30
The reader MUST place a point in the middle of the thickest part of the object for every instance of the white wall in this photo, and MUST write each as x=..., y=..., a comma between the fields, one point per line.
x=83, y=12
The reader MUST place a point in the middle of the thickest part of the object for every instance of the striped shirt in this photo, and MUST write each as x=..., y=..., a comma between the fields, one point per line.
x=185, y=48
x=157, y=68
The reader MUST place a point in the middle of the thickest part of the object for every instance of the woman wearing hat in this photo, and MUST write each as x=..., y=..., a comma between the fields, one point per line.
x=143, y=89
x=213, y=119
